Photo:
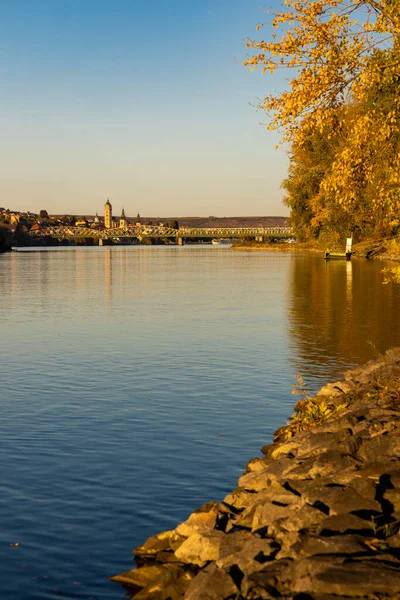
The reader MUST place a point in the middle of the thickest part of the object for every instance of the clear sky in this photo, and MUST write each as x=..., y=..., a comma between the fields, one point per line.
x=142, y=101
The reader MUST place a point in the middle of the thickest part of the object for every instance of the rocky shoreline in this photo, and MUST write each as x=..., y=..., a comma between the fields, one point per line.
x=317, y=517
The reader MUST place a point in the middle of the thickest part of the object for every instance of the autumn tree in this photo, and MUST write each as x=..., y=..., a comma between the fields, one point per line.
x=343, y=57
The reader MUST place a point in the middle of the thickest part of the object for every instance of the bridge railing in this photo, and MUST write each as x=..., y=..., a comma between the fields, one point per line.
x=157, y=231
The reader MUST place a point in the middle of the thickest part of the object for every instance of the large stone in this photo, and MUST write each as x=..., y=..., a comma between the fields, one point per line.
x=332, y=575
x=393, y=496
x=364, y=372
x=212, y=583
x=275, y=497
x=331, y=461
x=382, y=445
x=162, y=542
x=268, y=582
x=321, y=441
x=301, y=518
x=137, y=579
x=239, y=498
x=287, y=448
x=233, y=542
x=323, y=465
x=171, y=584
x=250, y=556
x=326, y=575
x=395, y=478
x=378, y=467
x=200, y=548
x=332, y=390
x=340, y=524
x=202, y=518
x=256, y=481
x=365, y=487
x=266, y=513
x=256, y=465
x=302, y=545
x=339, y=499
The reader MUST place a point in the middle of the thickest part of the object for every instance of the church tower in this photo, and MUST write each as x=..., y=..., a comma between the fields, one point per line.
x=108, y=223
x=123, y=222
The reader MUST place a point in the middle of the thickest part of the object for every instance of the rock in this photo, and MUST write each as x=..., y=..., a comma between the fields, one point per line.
x=275, y=497
x=303, y=545
x=382, y=445
x=318, y=442
x=342, y=524
x=255, y=481
x=200, y=548
x=395, y=478
x=137, y=579
x=331, y=461
x=393, y=496
x=269, y=582
x=375, y=469
x=250, y=556
x=171, y=584
x=364, y=372
x=365, y=487
x=261, y=480
x=162, y=542
x=326, y=575
x=239, y=498
x=267, y=513
x=334, y=575
x=339, y=499
x=297, y=520
x=333, y=390
x=212, y=583
x=202, y=518
x=290, y=447
x=256, y=465
x=233, y=542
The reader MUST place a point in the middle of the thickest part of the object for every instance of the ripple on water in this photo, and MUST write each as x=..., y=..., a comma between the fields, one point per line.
x=136, y=383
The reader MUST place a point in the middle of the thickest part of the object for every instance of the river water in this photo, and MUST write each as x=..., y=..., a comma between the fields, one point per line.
x=136, y=382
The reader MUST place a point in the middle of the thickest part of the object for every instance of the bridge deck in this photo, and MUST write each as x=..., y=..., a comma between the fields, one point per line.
x=154, y=231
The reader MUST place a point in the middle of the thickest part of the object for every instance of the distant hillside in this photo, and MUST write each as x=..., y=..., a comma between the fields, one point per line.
x=224, y=221
x=206, y=221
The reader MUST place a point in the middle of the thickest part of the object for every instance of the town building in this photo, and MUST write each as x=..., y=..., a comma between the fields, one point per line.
x=108, y=221
x=123, y=221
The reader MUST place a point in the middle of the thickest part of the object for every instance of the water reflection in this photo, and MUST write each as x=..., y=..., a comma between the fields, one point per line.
x=339, y=314
x=349, y=280
x=110, y=351
x=107, y=276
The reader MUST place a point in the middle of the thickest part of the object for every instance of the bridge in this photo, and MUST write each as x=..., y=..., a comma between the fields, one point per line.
x=159, y=232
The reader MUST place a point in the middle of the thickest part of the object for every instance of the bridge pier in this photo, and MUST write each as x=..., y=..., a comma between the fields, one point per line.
x=180, y=241
x=259, y=238
x=101, y=242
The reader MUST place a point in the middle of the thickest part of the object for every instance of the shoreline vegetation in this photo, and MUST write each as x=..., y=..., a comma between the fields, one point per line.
x=317, y=517
x=384, y=248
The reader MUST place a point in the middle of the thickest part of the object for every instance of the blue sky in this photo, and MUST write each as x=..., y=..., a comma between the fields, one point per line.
x=145, y=102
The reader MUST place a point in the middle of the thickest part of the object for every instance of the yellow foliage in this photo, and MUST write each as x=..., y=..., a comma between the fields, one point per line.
x=339, y=53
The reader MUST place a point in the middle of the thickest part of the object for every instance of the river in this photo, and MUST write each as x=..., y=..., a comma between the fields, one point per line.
x=136, y=382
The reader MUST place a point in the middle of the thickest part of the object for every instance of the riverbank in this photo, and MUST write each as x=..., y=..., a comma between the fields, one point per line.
x=316, y=518
x=383, y=249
